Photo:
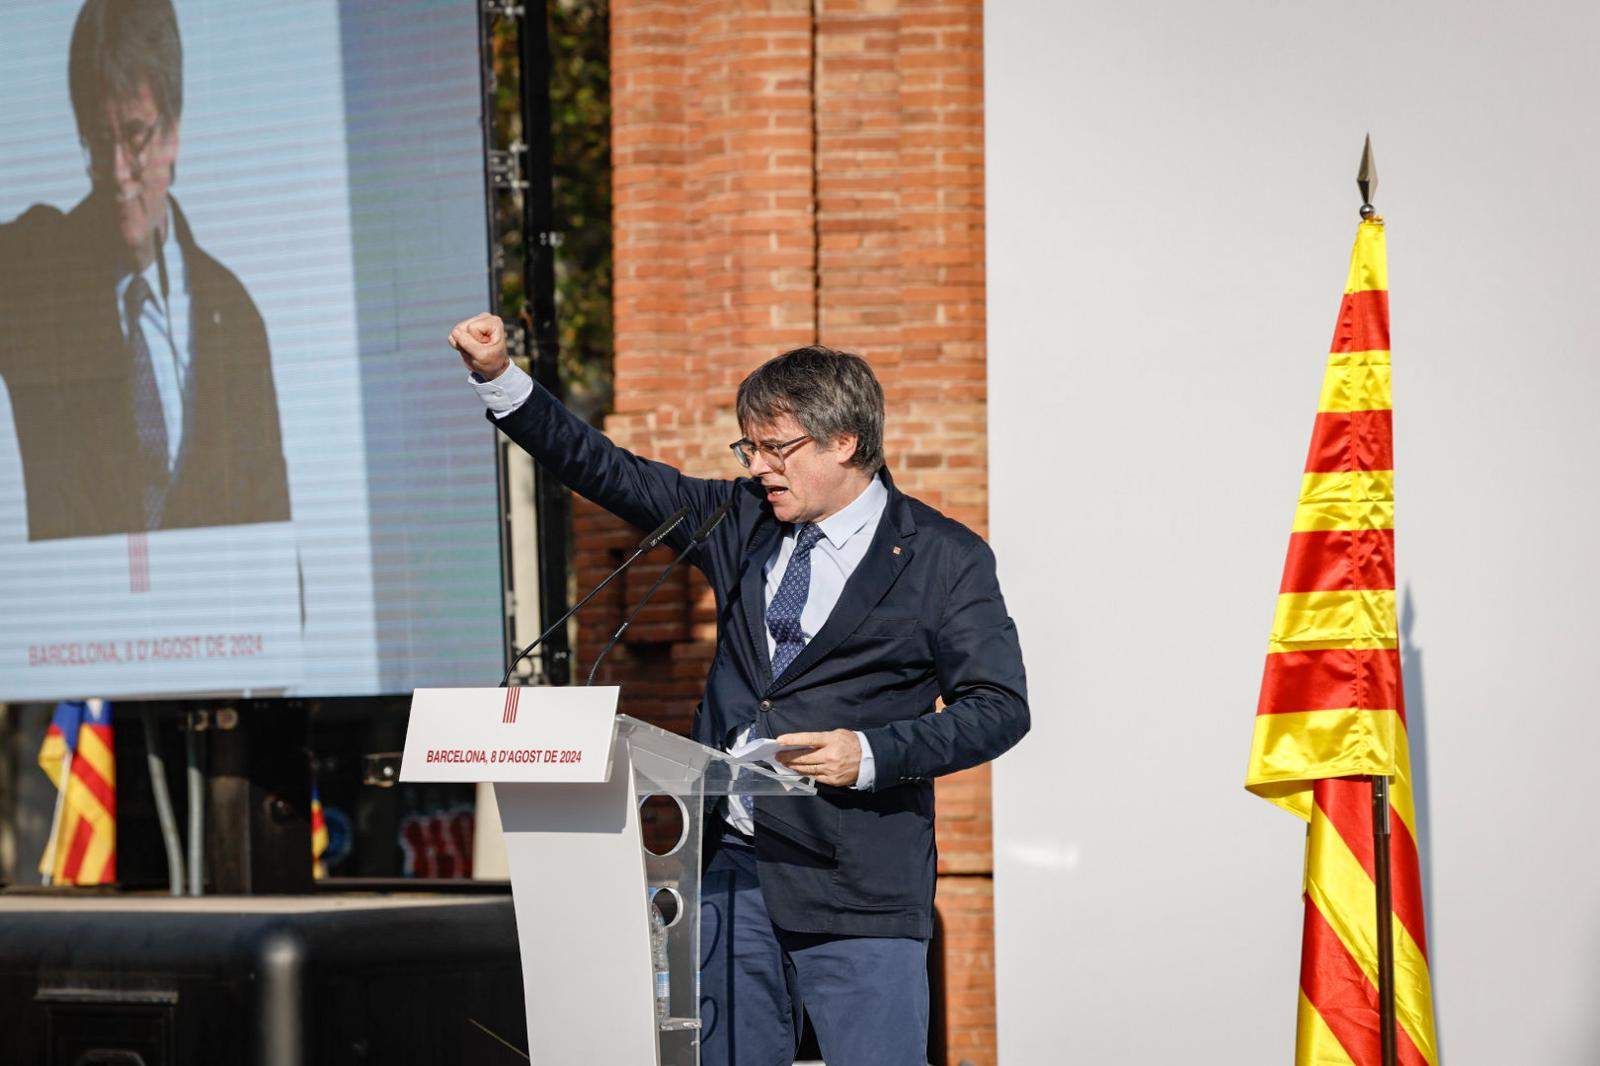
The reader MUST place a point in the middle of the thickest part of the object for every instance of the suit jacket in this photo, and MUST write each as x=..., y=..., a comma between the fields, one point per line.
x=67, y=367
x=920, y=618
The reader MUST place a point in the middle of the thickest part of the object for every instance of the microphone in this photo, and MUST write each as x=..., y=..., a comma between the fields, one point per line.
x=647, y=544
x=695, y=541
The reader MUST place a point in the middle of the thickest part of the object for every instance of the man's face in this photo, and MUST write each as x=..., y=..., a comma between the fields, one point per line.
x=131, y=156
x=814, y=480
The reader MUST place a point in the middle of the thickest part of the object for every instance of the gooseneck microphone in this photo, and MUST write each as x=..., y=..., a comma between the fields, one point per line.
x=647, y=544
x=695, y=541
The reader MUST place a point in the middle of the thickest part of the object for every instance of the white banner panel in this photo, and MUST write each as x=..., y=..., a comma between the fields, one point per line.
x=1171, y=208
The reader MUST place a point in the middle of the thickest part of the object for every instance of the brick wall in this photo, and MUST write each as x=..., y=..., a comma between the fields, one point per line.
x=791, y=171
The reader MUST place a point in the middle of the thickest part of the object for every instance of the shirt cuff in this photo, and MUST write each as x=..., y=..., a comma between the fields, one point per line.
x=505, y=393
x=868, y=774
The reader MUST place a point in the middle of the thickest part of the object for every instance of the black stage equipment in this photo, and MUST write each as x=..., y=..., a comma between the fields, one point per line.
x=158, y=981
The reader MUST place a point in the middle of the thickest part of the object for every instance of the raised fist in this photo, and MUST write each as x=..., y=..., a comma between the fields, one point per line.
x=481, y=340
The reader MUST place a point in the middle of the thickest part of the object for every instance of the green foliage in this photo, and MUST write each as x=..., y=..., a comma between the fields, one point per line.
x=580, y=99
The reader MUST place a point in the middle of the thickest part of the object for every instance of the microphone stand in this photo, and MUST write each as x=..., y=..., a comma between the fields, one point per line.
x=695, y=541
x=647, y=544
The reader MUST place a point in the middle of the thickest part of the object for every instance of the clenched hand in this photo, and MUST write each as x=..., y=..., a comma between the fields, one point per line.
x=833, y=758
x=481, y=340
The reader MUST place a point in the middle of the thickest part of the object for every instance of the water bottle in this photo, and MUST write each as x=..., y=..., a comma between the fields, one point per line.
x=658, y=956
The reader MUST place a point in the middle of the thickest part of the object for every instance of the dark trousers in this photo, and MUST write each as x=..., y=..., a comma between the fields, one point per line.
x=867, y=996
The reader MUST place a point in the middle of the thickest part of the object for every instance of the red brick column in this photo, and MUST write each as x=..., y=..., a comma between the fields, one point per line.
x=788, y=172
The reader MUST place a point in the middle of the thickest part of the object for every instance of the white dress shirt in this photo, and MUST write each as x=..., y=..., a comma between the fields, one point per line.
x=505, y=393
x=165, y=323
x=846, y=536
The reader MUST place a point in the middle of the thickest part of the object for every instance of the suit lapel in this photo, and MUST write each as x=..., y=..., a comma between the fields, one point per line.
x=752, y=585
x=886, y=557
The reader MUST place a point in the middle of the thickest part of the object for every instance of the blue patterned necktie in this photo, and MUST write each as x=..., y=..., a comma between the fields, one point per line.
x=151, y=424
x=783, y=613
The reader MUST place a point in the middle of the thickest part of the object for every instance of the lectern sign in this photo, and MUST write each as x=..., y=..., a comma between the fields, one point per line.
x=477, y=734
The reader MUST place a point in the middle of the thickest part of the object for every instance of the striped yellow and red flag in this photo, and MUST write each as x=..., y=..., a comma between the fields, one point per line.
x=78, y=754
x=1332, y=708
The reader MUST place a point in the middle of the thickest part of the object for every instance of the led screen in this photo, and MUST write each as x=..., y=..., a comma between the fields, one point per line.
x=235, y=453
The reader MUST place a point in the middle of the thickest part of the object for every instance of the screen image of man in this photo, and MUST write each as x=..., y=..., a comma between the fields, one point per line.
x=137, y=366
x=845, y=611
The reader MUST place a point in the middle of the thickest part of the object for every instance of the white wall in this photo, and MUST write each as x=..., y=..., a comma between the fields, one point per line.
x=1171, y=204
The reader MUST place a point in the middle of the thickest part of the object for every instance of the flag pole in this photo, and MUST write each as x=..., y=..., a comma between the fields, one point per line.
x=1385, y=907
x=48, y=862
x=1367, y=183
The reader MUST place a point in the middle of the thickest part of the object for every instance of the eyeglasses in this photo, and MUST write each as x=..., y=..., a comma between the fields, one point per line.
x=775, y=451
x=135, y=142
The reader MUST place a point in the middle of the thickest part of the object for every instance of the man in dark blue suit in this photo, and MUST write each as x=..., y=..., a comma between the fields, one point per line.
x=845, y=611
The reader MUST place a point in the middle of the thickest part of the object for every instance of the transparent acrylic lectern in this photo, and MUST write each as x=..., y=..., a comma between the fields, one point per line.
x=569, y=778
x=665, y=764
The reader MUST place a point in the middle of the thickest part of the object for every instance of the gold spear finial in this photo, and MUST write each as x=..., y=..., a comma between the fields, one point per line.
x=1367, y=179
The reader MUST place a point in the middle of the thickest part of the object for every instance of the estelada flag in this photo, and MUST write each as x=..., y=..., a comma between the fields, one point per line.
x=319, y=834
x=1332, y=708
x=78, y=755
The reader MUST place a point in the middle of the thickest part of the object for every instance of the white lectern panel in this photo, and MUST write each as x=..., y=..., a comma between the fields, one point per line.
x=577, y=883
x=569, y=775
x=510, y=734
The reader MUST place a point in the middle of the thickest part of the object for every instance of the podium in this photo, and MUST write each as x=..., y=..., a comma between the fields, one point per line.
x=569, y=776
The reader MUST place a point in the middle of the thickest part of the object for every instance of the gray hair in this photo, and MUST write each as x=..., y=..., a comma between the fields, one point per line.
x=117, y=45
x=830, y=393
